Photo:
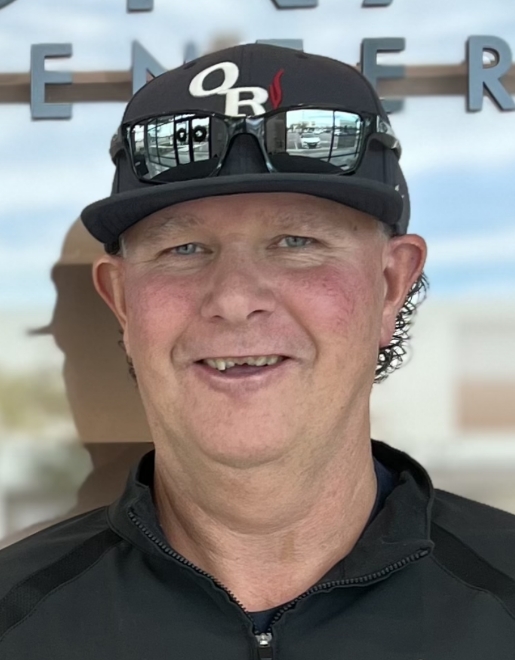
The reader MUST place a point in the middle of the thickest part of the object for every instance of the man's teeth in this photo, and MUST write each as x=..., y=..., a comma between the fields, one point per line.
x=227, y=363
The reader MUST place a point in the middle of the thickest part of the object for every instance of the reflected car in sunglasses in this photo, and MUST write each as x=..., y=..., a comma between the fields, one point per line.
x=309, y=140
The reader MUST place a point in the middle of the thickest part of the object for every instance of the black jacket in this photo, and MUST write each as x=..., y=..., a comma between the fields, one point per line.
x=431, y=578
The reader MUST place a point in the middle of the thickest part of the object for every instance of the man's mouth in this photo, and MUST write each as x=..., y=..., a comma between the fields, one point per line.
x=242, y=365
x=243, y=372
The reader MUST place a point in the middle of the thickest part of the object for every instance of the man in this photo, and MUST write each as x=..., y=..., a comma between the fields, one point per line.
x=256, y=283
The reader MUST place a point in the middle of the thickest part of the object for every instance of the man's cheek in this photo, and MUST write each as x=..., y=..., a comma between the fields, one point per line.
x=340, y=301
x=154, y=314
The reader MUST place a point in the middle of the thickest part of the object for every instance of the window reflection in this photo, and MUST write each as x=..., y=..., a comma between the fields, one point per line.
x=328, y=135
x=164, y=143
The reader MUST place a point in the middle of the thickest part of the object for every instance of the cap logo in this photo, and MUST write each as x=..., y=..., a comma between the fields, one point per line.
x=276, y=92
x=233, y=100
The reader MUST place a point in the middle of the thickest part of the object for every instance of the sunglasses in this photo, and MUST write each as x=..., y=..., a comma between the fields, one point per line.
x=191, y=144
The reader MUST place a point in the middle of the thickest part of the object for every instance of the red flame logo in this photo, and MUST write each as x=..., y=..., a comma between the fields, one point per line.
x=276, y=92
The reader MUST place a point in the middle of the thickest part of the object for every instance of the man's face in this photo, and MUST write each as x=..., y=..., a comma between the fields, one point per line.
x=257, y=274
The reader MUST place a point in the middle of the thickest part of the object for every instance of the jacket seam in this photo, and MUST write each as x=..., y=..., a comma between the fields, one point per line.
x=473, y=587
x=56, y=589
x=37, y=570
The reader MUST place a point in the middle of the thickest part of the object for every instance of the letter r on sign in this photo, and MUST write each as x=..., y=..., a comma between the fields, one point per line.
x=489, y=78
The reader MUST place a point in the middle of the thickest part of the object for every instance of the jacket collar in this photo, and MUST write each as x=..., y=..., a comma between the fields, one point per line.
x=400, y=529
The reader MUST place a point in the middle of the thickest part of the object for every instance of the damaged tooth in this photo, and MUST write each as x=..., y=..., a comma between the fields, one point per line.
x=222, y=364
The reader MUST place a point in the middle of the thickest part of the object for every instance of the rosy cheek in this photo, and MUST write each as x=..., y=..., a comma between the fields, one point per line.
x=155, y=309
x=339, y=300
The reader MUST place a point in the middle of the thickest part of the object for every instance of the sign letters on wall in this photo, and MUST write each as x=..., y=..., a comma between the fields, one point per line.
x=481, y=78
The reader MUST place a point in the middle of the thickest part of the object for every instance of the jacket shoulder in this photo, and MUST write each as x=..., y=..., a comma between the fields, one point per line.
x=63, y=547
x=488, y=532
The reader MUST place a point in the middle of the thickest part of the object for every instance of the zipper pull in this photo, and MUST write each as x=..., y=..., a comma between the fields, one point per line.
x=264, y=641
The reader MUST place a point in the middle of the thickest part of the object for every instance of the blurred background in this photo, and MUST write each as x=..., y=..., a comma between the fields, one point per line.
x=71, y=424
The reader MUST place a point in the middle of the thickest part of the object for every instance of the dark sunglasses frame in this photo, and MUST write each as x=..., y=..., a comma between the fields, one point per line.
x=375, y=128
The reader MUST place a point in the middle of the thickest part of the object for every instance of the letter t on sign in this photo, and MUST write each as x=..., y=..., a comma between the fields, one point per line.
x=140, y=5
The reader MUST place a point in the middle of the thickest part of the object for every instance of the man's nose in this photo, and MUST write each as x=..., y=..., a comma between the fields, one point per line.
x=238, y=289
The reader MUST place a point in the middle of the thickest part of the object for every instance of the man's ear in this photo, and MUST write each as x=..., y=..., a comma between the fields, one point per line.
x=108, y=278
x=404, y=261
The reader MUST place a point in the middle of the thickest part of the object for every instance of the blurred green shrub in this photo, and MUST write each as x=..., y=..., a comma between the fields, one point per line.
x=31, y=399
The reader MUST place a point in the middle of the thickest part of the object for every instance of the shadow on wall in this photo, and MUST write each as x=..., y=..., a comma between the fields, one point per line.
x=104, y=401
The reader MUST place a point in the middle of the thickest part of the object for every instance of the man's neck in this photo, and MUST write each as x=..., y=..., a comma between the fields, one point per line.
x=267, y=540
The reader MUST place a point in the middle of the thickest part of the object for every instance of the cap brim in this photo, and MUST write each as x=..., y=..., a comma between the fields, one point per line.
x=110, y=217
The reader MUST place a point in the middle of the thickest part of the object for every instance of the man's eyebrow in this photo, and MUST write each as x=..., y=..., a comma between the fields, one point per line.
x=173, y=223
x=305, y=221
x=309, y=222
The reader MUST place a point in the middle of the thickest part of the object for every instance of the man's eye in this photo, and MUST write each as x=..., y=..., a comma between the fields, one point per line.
x=178, y=249
x=182, y=250
x=298, y=238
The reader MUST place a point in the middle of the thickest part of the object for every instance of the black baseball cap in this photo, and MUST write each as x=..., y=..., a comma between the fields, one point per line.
x=252, y=79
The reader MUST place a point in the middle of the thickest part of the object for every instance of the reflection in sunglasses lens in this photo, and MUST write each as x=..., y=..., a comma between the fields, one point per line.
x=160, y=145
x=328, y=135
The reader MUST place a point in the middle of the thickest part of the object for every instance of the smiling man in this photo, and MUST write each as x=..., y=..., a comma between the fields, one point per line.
x=261, y=289
x=254, y=463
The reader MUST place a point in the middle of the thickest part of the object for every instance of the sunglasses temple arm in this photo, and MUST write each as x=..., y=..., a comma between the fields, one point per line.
x=116, y=145
x=385, y=134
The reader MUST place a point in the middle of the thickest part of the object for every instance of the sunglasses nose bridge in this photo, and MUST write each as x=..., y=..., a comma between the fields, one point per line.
x=244, y=156
x=254, y=125
x=242, y=125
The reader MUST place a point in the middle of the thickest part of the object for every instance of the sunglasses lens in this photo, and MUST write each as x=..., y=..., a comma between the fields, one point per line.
x=327, y=136
x=177, y=147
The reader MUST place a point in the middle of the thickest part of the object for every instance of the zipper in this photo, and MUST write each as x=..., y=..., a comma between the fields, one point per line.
x=264, y=640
